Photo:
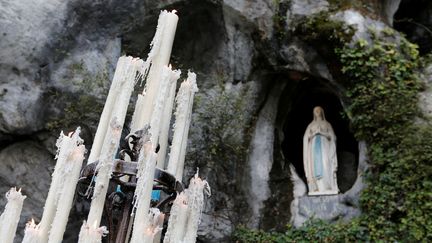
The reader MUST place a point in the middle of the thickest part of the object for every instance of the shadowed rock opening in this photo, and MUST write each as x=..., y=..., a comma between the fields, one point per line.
x=413, y=19
x=309, y=93
x=191, y=40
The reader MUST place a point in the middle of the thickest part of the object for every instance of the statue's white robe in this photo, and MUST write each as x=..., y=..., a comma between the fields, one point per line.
x=326, y=184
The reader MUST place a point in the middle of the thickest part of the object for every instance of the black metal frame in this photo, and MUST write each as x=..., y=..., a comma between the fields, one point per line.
x=118, y=206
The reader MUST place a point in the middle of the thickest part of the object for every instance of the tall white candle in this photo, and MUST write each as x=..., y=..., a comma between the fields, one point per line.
x=91, y=233
x=182, y=156
x=195, y=193
x=158, y=58
x=104, y=170
x=65, y=145
x=183, y=114
x=180, y=167
x=177, y=220
x=159, y=221
x=166, y=120
x=67, y=193
x=112, y=140
x=110, y=102
x=144, y=186
x=11, y=215
x=152, y=227
x=159, y=103
x=32, y=233
x=117, y=99
x=137, y=115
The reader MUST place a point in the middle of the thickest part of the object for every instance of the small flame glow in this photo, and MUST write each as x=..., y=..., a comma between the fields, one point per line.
x=174, y=11
x=149, y=231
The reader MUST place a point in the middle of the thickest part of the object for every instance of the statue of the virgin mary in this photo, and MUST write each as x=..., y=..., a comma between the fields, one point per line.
x=319, y=156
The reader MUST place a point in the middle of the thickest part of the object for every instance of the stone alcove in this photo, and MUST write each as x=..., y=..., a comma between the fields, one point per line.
x=297, y=100
x=309, y=93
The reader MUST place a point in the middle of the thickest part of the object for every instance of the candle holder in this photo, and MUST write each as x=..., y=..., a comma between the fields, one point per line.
x=119, y=204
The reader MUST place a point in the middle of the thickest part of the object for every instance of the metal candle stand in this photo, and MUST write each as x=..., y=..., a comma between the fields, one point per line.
x=119, y=204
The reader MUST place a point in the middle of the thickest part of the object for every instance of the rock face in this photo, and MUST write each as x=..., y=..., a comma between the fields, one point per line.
x=260, y=160
x=26, y=165
x=256, y=78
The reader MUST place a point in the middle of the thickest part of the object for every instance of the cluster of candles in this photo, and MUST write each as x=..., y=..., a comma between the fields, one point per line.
x=153, y=107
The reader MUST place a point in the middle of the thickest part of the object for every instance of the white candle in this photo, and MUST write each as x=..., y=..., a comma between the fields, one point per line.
x=107, y=110
x=195, y=194
x=117, y=101
x=166, y=120
x=159, y=225
x=104, y=170
x=32, y=233
x=177, y=220
x=11, y=215
x=91, y=233
x=150, y=229
x=65, y=145
x=137, y=115
x=182, y=156
x=158, y=58
x=112, y=140
x=67, y=193
x=159, y=104
x=144, y=186
x=183, y=114
x=180, y=167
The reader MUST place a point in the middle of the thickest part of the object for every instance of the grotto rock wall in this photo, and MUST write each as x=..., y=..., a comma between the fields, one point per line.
x=57, y=60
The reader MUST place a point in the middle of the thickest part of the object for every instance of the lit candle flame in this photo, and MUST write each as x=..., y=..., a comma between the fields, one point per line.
x=149, y=231
x=174, y=11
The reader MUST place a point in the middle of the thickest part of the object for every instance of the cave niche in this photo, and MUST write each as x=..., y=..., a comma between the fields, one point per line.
x=413, y=19
x=297, y=104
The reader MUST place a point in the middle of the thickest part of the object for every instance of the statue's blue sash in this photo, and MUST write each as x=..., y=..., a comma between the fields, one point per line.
x=317, y=157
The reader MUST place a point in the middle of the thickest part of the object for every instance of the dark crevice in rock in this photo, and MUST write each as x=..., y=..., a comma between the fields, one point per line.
x=276, y=213
x=413, y=18
x=9, y=139
x=200, y=33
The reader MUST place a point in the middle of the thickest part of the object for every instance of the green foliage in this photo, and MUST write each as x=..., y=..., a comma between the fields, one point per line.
x=382, y=87
x=311, y=231
x=320, y=28
x=382, y=83
x=398, y=200
x=223, y=118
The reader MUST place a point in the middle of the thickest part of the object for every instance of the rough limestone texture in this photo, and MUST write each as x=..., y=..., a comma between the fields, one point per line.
x=426, y=95
x=57, y=59
x=28, y=166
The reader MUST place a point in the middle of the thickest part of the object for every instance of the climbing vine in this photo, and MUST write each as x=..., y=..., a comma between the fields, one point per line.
x=382, y=82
